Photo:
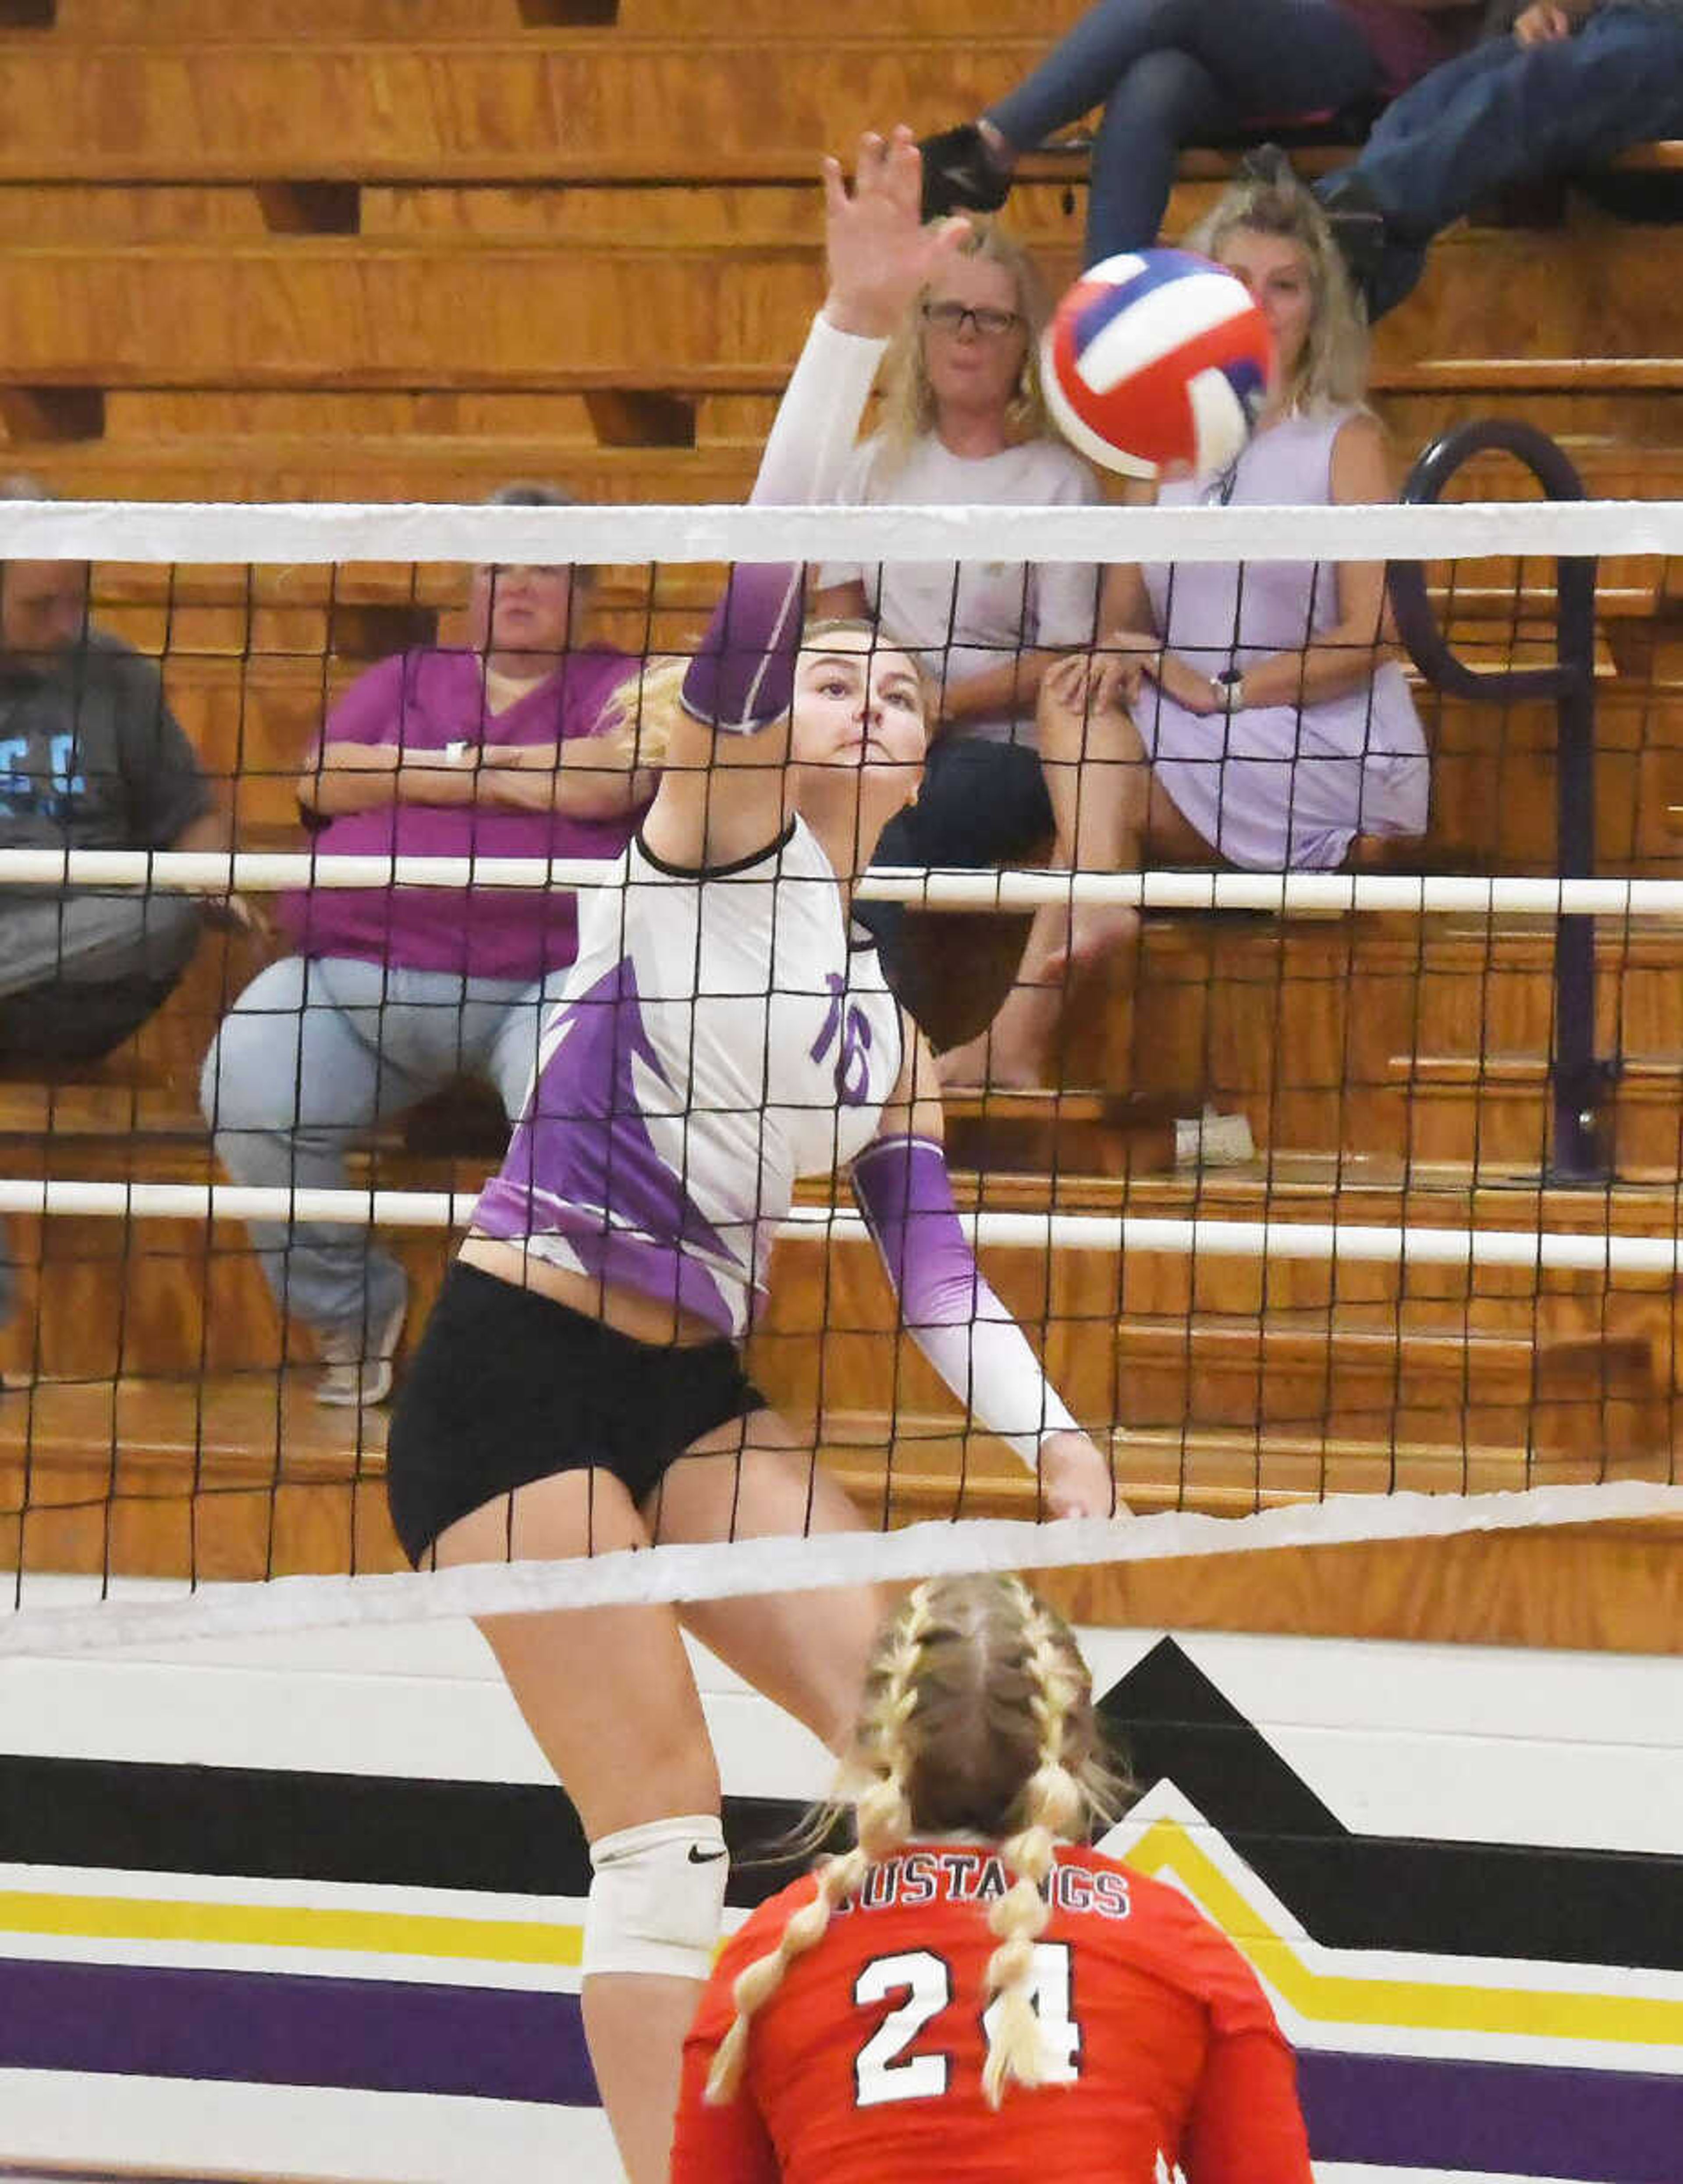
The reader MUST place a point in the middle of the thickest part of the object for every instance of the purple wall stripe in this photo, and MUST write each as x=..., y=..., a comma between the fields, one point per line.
x=1604, y=2126
x=258, y=2028
x=388, y=2035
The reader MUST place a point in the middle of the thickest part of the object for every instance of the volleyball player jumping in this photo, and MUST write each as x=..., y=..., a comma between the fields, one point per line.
x=999, y=2001
x=580, y=1386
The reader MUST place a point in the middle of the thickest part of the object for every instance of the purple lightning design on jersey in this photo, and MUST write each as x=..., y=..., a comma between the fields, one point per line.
x=582, y=1160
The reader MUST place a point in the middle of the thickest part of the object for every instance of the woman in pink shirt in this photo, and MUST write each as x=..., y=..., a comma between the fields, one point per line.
x=488, y=749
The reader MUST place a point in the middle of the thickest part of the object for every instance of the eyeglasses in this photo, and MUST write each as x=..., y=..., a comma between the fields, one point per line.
x=950, y=317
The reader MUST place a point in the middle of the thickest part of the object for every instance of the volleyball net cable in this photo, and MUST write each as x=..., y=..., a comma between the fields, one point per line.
x=1379, y=1328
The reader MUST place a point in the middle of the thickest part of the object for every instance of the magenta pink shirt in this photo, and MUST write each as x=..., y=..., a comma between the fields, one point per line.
x=423, y=701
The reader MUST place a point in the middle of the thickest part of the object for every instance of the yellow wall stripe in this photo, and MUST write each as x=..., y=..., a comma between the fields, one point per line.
x=1317, y=1997
x=265, y=1926
x=1341, y=1999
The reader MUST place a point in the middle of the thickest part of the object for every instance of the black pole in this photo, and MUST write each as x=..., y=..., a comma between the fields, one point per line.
x=1579, y=1078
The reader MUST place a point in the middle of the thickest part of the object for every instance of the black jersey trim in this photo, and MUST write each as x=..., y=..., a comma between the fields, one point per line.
x=717, y=872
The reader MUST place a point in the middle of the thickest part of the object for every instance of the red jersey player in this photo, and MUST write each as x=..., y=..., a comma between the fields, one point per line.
x=968, y=1994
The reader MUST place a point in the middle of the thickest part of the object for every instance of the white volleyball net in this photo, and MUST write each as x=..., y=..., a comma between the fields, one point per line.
x=1339, y=1195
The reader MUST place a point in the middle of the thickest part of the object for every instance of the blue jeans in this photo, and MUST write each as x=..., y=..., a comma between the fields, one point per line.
x=311, y=1056
x=1505, y=114
x=1169, y=72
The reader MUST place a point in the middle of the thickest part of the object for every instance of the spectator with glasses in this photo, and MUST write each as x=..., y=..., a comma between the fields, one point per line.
x=962, y=422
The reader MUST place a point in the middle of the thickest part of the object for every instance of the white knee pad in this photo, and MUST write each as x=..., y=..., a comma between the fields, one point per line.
x=656, y=1894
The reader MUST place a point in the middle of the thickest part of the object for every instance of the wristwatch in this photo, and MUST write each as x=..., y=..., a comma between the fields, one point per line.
x=1229, y=688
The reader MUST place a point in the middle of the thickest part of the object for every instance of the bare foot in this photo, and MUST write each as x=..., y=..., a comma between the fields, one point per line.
x=1093, y=934
x=988, y=1063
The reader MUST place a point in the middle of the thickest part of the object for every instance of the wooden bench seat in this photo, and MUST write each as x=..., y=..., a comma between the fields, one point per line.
x=316, y=311
x=198, y=22
x=564, y=109
x=580, y=107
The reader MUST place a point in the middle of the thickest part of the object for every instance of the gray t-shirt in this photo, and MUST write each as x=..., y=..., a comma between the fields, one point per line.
x=91, y=755
x=962, y=618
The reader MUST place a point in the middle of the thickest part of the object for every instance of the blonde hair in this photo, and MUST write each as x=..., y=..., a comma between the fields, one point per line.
x=977, y=1718
x=643, y=711
x=907, y=410
x=1332, y=371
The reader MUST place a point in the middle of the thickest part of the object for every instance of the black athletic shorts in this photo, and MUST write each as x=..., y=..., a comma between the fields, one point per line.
x=509, y=1386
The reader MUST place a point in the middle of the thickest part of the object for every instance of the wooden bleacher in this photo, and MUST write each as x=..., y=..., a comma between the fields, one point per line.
x=410, y=248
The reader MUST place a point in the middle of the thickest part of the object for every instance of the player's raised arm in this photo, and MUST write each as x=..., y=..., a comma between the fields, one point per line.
x=723, y=793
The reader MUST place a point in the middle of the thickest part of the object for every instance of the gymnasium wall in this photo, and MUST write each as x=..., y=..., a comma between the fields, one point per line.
x=309, y=1907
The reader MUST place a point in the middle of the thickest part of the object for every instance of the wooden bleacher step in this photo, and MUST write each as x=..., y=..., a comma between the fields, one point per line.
x=301, y=311
x=223, y=1478
x=196, y=22
x=1432, y=1386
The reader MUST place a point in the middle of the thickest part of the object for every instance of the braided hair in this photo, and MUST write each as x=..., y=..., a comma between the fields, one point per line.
x=977, y=1719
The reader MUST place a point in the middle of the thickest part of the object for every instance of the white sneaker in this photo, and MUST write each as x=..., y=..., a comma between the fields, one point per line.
x=1213, y=1140
x=357, y=1367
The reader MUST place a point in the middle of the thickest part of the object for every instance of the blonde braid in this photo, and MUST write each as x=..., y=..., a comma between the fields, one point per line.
x=1053, y=1806
x=883, y=1817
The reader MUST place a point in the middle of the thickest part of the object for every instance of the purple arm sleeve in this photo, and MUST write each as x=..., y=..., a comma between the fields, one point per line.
x=743, y=676
x=946, y=1304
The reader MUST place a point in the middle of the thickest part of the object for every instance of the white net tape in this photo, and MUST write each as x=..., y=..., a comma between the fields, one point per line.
x=735, y=1569
x=205, y=531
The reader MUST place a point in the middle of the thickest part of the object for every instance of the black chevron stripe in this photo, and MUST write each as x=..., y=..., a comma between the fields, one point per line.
x=1349, y=1890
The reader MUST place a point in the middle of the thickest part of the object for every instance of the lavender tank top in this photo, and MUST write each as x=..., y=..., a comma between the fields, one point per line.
x=1258, y=607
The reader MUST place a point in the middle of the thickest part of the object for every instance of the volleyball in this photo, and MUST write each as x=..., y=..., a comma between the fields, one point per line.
x=1158, y=361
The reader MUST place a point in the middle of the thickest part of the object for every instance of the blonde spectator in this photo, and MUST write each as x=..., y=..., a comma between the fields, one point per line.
x=1249, y=714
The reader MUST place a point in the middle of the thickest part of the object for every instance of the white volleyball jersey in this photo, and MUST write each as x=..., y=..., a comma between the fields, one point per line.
x=718, y=1037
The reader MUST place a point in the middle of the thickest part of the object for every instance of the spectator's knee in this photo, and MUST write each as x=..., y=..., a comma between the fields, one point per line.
x=172, y=926
x=248, y=1080
x=1162, y=87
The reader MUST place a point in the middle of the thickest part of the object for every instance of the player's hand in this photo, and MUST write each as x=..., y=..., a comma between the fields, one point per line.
x=1076, y=1480
x=1541, y=24
x=878, y=251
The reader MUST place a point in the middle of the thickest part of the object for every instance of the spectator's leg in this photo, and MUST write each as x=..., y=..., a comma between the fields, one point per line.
x=1165, y=100
x=511, y=1053
x=1106, y=809
x=1275, y=56
x=82, y=973
x=981, y=804
x=1264, y=59
x=312, y=1055
x=1084, y=68
x=1505, y=114
x=294, y=1079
